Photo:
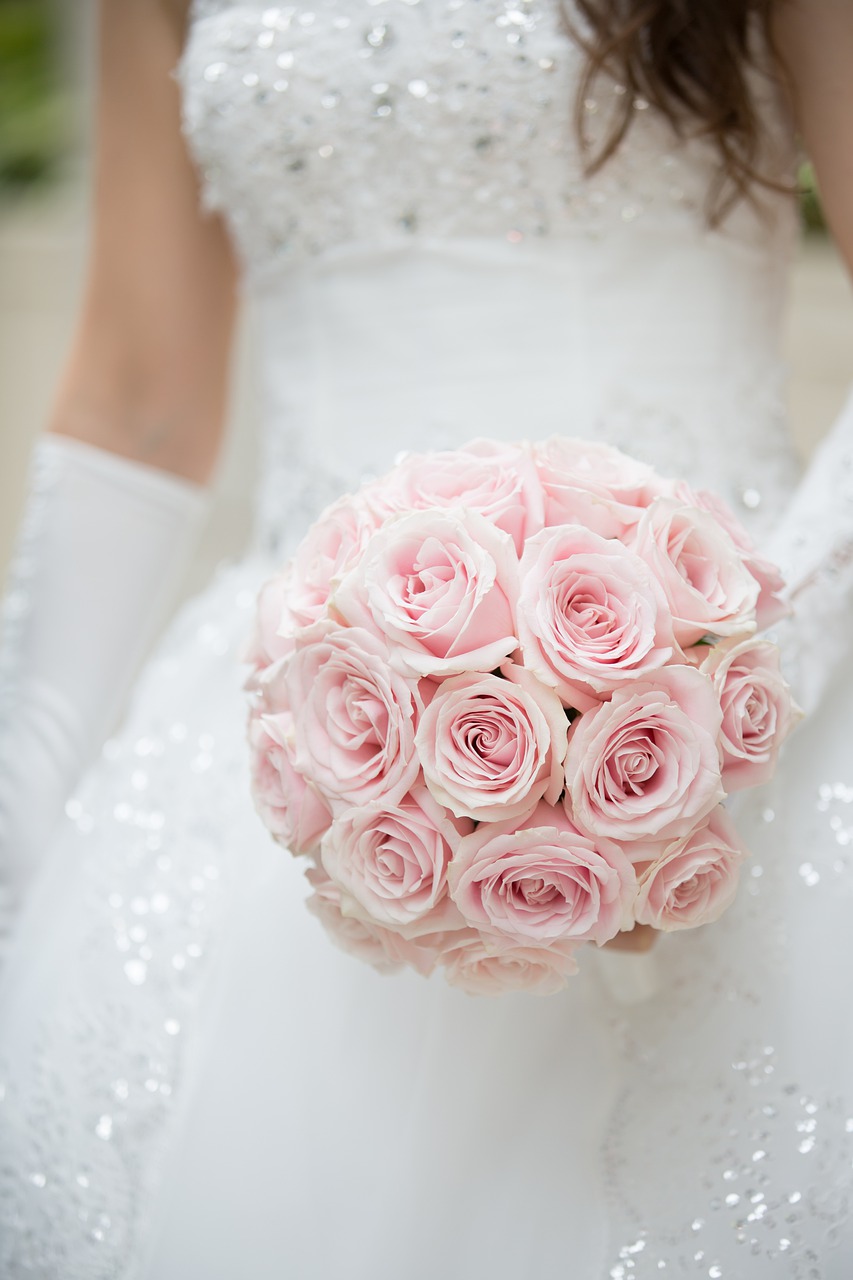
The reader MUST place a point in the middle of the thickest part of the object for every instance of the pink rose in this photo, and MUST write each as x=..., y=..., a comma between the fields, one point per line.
x=480, y=972
x=441, y=587
x=289, y=806
x=327, y=551
x=708, y=587
x=771, y=606
x=694, y=879
x=492, y=747
x=270, y=640
x=298, y=596
x=539, y=880
x=758, y=710
x=351, y=935
x=392, y=862
x=594, y=485
x=497, y=481
x=591, y=615
x=380, y=947
x=354, y=718
x=645, y=765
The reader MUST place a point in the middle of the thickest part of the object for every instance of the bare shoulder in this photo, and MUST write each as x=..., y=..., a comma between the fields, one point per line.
x=177, y=11
x=815, y=43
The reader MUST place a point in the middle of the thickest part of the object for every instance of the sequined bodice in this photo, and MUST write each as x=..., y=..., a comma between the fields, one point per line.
x=429, y=262
x=343, y=120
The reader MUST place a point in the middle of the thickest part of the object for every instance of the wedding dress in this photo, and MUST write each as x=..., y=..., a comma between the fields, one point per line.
x=196, y=1084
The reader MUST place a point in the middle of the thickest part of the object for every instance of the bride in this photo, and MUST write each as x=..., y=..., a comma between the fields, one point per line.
x=450, y=218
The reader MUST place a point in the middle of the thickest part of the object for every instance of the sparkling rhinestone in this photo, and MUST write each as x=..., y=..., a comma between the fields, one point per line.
x=104, y=1128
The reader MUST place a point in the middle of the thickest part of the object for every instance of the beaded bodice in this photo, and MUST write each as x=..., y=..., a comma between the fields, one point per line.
x=403, y=182
x=336, y=121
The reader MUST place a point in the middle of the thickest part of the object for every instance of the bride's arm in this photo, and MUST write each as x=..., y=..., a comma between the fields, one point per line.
x=814, y=541
x=117, y=493
x=146, y=376
x=815, y=42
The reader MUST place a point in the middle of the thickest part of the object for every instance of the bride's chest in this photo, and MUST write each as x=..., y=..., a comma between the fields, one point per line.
x=339, y=120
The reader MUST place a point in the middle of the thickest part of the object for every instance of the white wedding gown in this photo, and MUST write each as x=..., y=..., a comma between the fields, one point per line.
x=196, y=1085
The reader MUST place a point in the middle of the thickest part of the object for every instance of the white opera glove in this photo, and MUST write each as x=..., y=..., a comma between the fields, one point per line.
x=102, y=547
x=813, y=545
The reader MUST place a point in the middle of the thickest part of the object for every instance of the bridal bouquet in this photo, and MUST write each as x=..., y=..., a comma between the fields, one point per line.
x=498, y=699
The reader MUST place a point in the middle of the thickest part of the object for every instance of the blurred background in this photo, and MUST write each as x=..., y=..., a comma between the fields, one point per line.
x=45, y=101
x=46, y=84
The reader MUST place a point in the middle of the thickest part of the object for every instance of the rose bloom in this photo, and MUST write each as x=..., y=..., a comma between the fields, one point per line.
x=757, y=707
x=539, y=880
x=354, y=717
x=594, y=485
x=392, y=862
x=645, y=765
x=329, y=548
x=694, y=880
x=441, y=587
x=270, y=638
x=591, y=615
x=295, y=814
x=298, y=596
x=384, y=949
x=543, y=971
x=703, y=575
x=491, y=747
x=771, y=605
x=351, y=935
x=498, y=481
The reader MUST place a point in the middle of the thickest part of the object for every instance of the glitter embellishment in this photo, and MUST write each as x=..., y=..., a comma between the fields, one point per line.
x=84, y=1129
x=431, y=104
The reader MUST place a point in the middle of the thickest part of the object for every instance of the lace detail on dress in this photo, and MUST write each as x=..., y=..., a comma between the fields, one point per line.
x=755, y=1165
x=755, y=1116
x=326, y=123
x=84, y=1128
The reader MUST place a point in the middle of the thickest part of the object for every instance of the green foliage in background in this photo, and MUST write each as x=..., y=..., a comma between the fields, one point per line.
x=32, y=132
x=810, y=207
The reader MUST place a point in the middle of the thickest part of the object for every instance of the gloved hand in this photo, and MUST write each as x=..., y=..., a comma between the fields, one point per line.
x=103, y=545
x=813, y=545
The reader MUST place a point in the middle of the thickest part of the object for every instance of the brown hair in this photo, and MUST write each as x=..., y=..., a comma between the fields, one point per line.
x=688, y=59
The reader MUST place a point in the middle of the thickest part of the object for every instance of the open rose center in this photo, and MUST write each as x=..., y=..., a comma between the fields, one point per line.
x=633, y=766
x=590, y=620
x=585, y=614
x=398, y=868
x=756, y=712
x=691, y=893
x=391, y=863
x=541, y=892
x=536, y=893
x=487, y=739
x=356, y=716
x=423, y=589
x=427, y=595
x=694, y=564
